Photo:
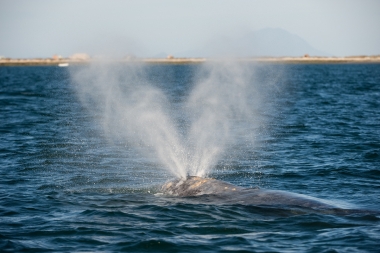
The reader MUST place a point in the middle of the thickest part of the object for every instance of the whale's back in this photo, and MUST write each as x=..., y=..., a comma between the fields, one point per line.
x=231, y=194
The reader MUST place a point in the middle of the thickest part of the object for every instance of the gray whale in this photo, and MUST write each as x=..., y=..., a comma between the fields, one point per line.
x=231, y=194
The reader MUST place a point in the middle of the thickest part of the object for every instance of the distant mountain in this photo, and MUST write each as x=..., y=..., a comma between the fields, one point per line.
x=160, y=55
x=265, y=42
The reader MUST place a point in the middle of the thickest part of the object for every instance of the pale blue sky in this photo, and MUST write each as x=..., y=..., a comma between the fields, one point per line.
x=41, y=28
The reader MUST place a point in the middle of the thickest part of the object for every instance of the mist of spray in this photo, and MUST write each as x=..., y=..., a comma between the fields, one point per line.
x=135, y=110
x=222, y=97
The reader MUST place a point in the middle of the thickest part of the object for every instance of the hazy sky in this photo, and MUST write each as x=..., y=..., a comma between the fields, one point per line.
x=41, y=28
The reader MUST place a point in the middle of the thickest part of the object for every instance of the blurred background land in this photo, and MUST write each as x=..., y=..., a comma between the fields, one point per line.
x=86, y=59
x=275, y=45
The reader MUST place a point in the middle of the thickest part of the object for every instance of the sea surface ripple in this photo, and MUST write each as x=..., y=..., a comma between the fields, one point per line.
x=65, y=188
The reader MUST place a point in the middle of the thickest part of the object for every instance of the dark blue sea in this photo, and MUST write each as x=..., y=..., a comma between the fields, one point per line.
x=66, y=186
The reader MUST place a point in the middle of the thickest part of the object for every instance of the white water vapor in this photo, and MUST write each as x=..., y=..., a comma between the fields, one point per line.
x=133, y=109
x=220, y=99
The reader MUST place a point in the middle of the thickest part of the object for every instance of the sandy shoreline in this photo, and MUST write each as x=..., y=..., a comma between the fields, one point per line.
x=308, y=60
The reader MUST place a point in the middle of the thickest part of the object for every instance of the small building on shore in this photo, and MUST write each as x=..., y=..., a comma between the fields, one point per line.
x=80, y=57
x=56, y=57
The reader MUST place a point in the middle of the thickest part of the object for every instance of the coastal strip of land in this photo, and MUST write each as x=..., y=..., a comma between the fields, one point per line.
x=171, y=60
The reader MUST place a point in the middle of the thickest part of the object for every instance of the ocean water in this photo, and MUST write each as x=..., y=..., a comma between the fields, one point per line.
x=65, y=187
